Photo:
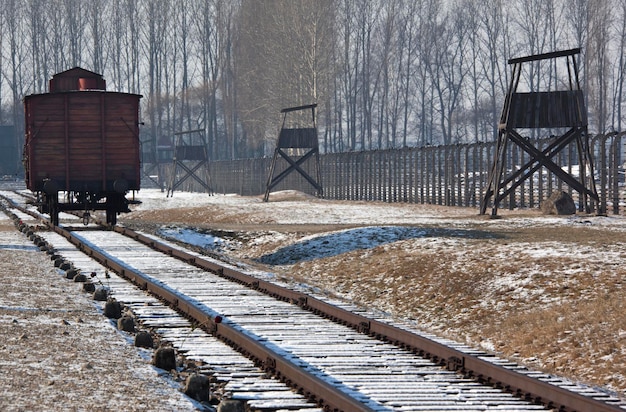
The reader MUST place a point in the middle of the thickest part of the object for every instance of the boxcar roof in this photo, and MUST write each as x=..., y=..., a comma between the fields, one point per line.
x=77, y=72
x=30, y=96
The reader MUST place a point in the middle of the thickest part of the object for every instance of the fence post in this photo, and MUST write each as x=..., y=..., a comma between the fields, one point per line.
x=450, y=175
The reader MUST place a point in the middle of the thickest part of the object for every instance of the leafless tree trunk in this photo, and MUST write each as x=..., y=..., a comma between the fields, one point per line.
x=597, y=64
x=15, y=73
x=408, y=44
x=448, y=68
x=385, y=73
x=620, y=70
x=96, y=13
x=281, y=53
x=75, y=23
x=493, y=22
x=157, y=14
x=39, y=54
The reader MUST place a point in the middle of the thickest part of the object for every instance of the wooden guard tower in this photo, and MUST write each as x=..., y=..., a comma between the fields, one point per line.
x=561, y=110
x=190, y=156
x=303, y=138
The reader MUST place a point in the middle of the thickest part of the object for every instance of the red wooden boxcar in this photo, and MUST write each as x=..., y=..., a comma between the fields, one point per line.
x=82, y=142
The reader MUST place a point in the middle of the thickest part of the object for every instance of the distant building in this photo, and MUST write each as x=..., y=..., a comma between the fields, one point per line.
x=10, y=152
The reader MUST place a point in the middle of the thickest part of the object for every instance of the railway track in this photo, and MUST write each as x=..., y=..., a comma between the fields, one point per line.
x=335, y=356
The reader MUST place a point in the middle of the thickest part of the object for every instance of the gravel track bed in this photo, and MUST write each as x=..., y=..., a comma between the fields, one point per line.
x=58, y=352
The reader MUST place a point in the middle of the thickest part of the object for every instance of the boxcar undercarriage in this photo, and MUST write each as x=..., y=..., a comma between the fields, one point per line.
x=53, y=203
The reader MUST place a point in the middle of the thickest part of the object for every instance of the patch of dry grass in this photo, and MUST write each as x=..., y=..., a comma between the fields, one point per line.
x=561, y=312
x=197, y=216
x=555, y=313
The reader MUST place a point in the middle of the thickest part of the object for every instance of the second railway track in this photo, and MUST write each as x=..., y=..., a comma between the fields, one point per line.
x=353, y=362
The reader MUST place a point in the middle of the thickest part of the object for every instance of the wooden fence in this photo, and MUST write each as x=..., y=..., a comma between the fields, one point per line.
x=453, y=175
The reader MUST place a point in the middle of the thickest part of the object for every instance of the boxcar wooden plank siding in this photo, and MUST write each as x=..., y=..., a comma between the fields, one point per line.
x=120, y=159
x=82, y=140
x=38, y=146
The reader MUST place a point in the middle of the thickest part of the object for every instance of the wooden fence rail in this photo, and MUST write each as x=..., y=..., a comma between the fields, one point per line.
x=454, y=175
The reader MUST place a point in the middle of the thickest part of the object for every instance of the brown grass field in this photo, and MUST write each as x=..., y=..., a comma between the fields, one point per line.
x=544, y=291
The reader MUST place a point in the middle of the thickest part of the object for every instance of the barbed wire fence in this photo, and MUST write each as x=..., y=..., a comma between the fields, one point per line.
x=453, y=175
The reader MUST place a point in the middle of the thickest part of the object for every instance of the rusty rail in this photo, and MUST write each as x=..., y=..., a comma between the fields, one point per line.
x=524, y=386
x=520, y=384
x=317, y=389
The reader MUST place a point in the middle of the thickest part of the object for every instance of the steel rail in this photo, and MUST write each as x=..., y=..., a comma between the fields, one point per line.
x=522, y=385
x=314, y=388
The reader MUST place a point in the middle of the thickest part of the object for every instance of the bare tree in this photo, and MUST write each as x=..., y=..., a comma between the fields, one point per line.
x=449, y=68
x=346, y=102
x=407, y=44
x=96, y=13
x=2, y=40
x=157, y=13
x=425, y=38
x=597, y=66
x=40, y=53
x=75, y=22
x=281, y=52
x=225, y=64
x=215, y=95
x=493, y=54
x=387, y=116
x=385, y=73
x=620, y=69
x=15, y=73
x=253, y=64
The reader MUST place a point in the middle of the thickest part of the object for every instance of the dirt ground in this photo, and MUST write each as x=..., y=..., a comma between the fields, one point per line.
x=547, y=295
x=58, y=352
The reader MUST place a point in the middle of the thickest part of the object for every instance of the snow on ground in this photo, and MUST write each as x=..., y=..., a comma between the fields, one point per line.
x=294, y=208
x=371, y=224
x=546, y=291
x=543, y=290
x=58, y=352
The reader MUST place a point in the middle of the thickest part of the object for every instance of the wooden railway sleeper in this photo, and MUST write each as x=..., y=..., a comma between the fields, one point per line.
x=363, y=327
x=474, y=363
x=311, y=398
x=525, y=394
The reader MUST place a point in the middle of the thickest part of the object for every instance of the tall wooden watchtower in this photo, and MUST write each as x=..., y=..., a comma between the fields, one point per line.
x=562, y=111
x=190, y=161
x=303, y=142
